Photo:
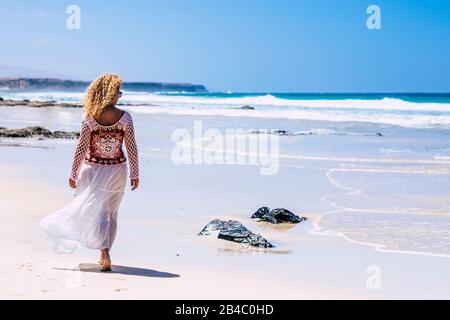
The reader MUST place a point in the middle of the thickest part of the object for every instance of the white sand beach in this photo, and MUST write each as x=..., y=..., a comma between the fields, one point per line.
x=31, y=270
x=158, y=254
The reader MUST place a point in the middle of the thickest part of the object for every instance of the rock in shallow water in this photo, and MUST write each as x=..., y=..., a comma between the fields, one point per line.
x=36, y=132
x=52, y=103
x=278, y=215
x=233, y=230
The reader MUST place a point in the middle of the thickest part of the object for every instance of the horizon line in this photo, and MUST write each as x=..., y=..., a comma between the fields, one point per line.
x=237, y=91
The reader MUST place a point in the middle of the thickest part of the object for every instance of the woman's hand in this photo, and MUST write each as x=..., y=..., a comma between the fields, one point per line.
x=134, y=183
x=72, y=183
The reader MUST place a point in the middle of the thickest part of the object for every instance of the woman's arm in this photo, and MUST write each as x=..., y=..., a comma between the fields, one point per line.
x=132, y=151
x=80, y=151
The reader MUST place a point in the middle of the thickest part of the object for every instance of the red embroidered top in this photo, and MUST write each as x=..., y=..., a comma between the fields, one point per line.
x=103, y=144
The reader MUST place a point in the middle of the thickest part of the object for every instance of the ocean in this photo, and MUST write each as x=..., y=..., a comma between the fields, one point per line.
x=385, y=157
x=419, y=110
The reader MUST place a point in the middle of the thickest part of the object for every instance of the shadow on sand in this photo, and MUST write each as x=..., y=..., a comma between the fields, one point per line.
x=131, y=271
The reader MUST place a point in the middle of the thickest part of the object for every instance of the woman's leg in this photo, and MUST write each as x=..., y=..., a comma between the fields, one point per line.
x=106, y=264
x=117, y=186
x=102, y=255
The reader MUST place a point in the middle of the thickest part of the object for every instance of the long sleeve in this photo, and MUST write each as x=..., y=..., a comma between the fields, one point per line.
x=81, y=149
x=132, y=151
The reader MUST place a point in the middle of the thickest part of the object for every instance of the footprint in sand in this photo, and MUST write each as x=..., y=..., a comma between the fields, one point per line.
x=120, y=279
x=28, y=267
x=53, y=279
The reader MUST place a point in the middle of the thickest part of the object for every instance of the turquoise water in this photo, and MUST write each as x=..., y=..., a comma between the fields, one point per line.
x=412, y=110
x=411, y=97
x=385, y=157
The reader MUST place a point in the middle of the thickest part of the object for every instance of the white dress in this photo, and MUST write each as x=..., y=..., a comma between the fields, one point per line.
x=100, y=170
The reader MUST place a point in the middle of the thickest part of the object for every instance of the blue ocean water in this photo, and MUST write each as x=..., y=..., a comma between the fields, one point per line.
x=386, y=157
x=411, y=97
x=412, y=110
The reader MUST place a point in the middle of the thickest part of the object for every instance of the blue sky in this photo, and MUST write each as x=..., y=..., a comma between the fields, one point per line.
x=246, y=45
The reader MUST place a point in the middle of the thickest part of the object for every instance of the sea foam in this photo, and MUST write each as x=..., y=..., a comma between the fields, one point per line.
x=389, y=111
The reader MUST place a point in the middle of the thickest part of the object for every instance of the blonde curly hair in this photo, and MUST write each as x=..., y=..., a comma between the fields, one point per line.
x=101, y=93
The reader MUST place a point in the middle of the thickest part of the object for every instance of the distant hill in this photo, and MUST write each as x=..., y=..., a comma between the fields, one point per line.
x=50, y=84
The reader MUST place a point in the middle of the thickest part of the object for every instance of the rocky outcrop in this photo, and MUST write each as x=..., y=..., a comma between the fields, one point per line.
x=233, y=230
x=278, y=215
x=37, y=104
x=246, y=107
x=42, y=104
x=280, y=132
x=137, y=105
x=49, y=84
x=37, y=132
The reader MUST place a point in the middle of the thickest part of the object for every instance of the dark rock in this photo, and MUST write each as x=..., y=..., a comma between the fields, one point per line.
x=25, y=133
x=66, y=135
x=137, y=104
x=38, y=104
x=308, y=133
x=233, y=230
x=279, y=215
x=246, y=107
x=1, y=99
x=36, y=132
x=276, y=132
x=281, y=132
x=261, y=212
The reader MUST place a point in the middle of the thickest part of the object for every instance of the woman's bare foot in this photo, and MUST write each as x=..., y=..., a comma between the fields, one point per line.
x=106, y=263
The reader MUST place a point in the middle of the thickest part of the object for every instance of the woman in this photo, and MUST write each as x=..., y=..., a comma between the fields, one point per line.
x=99, y=174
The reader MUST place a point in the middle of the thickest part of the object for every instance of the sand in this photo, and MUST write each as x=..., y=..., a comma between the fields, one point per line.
x=31, y=270
x=317, y=267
